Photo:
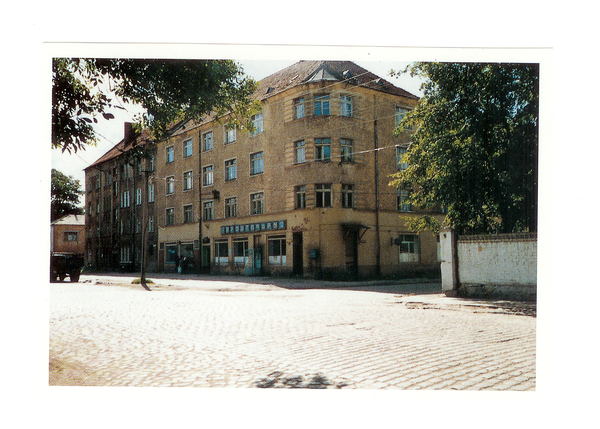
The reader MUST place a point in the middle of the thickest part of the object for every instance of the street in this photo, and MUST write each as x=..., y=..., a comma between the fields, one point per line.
x=227, y=332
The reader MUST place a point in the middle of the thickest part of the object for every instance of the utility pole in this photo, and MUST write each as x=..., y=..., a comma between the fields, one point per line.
x=200, y=179
x=144, y=228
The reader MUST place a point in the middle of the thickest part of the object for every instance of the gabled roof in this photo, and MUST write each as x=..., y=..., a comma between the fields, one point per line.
x=70, y=220
x=312, y=71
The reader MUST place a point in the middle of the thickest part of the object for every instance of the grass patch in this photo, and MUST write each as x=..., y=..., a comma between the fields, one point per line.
x=139, y=281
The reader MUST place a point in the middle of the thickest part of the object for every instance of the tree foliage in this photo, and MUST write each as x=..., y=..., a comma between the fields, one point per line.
x=475, y=148
x=65, y=193
x=170, y=91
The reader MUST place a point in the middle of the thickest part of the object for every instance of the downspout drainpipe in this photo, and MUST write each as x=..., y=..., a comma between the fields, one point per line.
x=376, y=157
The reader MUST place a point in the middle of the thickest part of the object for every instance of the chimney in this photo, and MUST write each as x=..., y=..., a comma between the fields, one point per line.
x=128, y=132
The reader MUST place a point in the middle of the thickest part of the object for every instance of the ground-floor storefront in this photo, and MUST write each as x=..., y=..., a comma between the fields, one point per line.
x=325, y=243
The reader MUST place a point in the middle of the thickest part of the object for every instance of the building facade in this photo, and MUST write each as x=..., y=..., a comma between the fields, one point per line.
x=120, y=209
x=305, y=193
x=68, y=234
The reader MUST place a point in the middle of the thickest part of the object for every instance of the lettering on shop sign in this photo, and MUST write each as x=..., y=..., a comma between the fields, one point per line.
x=277, y=225
x=299, y=228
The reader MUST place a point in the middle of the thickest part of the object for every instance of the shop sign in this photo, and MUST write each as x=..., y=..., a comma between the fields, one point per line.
x=277, y=225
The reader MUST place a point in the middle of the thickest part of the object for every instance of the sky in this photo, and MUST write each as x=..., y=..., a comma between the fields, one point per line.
x=110, y=132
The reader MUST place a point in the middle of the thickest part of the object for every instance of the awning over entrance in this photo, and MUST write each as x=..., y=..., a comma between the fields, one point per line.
x=347, y=227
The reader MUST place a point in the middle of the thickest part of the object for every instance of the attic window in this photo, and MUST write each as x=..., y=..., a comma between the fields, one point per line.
x=270, y=90
x=294, y=78
x=379, y=81
x=347, y=74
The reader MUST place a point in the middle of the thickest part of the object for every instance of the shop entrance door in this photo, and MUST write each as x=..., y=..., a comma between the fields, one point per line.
x=298, y=254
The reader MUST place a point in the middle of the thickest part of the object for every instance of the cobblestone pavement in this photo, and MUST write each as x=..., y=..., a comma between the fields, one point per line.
x=217, y=333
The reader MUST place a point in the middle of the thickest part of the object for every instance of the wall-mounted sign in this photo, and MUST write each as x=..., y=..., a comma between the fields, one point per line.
x=277, y=225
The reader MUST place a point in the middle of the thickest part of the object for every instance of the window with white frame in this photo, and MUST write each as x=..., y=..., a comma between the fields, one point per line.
x=277, y=250
x=347, y=150
x=170, y=154
x=188, y=180
x=299, y=108
x=323, y=195
x=300, y=196
x=346, y=105
x=229, y=134
x=150, y=223
x=257, y=163
x=409, y=248
x=257, y=203
x=221, y=252
x=231, y=207
x=125, y=201
x=138, y=196
x=240, y=245
x=170, y=216
x=400, y=114
x=323, y=149
x=208, y=210
x=299, y=152
x=187, y=148
x=347, y=196
x=321, y=105
x=151, y=193
x=403, y=203
x=170, y=185
x=207, y=141
x=231, y=169
x=400, y=164
x=151, y=163
x=257, y=121
x=207, y=175
x=70, y=236
x=188, y=214
x=126, y=253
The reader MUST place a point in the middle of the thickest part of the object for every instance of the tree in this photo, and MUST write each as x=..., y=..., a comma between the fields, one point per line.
x=475, y=148
x=169, y=91
x=65, y=193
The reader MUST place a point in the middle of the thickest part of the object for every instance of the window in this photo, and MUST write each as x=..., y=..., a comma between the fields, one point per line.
x=323, y=149
x=277, y=250
x=256, y=163
x=221, y=253
x=187, y=148
x=150, y=223
x=70, y=236
x=170, y=185
x=347, y=151
x=126, y=253
x=170, y=216
x=299, y=108
x=409, y=248
x=207, y=141
x=231, y=169
x=138, y=196
x=151, y=163
x=300, y=197
x=171, y=253
x=402, y=198
x=188, y=180
x=209, y=210
x=207, y=175
x=125, y=201
x=170, y=154
x=229, y=134
x=321, y=105
x=346, y=105
x=400, y=164
x=400, y=114
x=188, y=214
x=348, y=196
x=151, y=193
x=323, y=195
x=231, y=207
x=257, y=202
x=300, y=152
x=240, y=246
x=257, y=121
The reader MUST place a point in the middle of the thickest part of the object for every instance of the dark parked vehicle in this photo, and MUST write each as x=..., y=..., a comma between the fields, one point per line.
x=65, y=264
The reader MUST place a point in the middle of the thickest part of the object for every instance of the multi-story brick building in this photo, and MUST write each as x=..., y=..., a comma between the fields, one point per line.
x=305, y=193
x=119, y=201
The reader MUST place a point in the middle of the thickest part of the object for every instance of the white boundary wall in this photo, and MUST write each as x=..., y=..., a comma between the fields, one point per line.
x=490, y=265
